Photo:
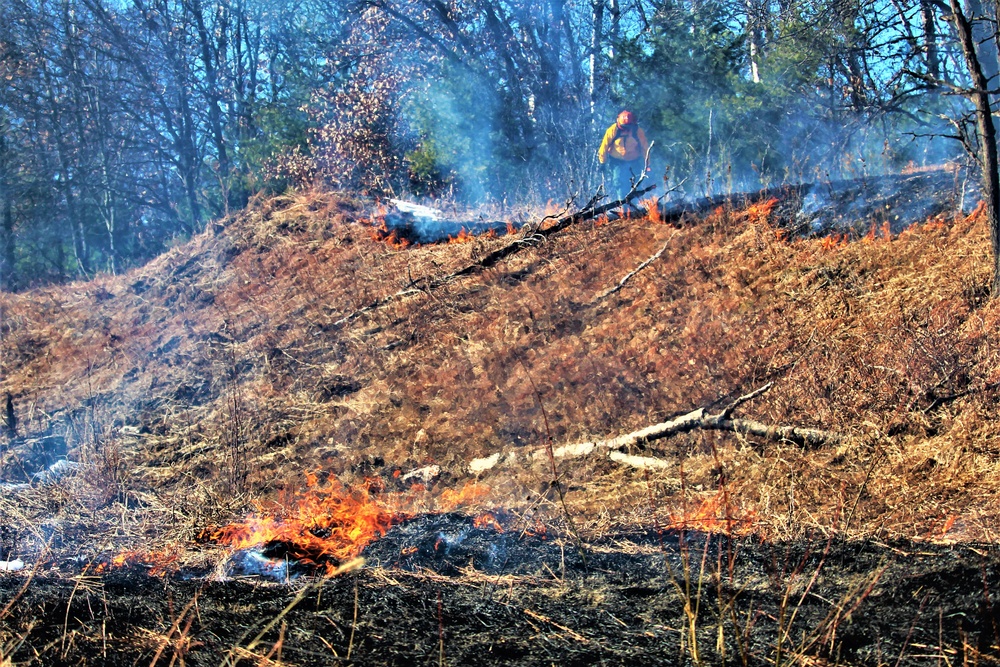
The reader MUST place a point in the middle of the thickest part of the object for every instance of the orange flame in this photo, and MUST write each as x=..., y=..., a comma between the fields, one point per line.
x=875, y=231
x=382, y=234
x=834, y=241
x=467, y=495
x=713, y=516
x=380, y=231
x=326, y=523
x=870, y=236
x=652, y=208
x=159, y=563
x=487, y=520
x=761, y=211
x=462, y=237
x=322, y=527
x=977, y=212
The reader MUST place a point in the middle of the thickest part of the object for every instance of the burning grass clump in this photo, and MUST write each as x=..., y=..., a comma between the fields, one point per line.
x=321, y=528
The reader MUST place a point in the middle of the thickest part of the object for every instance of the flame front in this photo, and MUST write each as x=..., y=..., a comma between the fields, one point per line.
x=326, y=523
x=321, y=528
x=381, y=233
x=761, y=211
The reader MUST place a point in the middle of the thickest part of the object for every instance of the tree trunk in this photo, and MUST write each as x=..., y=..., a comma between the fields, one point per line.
x=212, y=88
x=932, y=58
x=616, y=17
x=755, y=36
x=596, y=47
x=986, y=131
x=978, y=14
x=7, y=276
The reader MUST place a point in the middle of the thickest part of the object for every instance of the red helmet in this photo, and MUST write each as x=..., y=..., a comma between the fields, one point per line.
x=626, y=118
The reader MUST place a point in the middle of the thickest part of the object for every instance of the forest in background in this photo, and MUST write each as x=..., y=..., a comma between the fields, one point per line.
x=125, y=125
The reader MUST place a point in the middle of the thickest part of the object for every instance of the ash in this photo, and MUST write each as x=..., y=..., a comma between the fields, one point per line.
x=449, y=543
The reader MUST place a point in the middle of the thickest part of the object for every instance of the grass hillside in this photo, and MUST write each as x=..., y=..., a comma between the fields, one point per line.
x=222, y=373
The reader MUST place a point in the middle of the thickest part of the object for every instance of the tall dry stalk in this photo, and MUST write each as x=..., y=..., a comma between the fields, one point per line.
x=556, y=481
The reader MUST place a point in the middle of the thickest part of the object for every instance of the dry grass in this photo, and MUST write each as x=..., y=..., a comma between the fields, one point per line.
x=216, y=374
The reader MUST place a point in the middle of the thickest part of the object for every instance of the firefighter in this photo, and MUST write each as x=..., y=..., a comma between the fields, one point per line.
x=624, y=149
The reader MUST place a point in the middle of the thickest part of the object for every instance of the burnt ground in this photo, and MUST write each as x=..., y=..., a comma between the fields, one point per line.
x=437, y=590
x=851, y=208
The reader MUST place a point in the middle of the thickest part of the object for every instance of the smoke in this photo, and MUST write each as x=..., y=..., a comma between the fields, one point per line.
x=854, y=207
x=252, y=562
x=421, y=224
x=453, y=126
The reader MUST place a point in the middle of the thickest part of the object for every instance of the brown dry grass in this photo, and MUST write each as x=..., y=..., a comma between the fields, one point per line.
x=227, y=347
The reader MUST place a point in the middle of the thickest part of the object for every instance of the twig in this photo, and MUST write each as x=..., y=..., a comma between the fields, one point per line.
x=354, y=623
x=631, y=274
x=440, y=631
x=746, y=398
x=174, y=627
x=569, y=631
x=861, y=490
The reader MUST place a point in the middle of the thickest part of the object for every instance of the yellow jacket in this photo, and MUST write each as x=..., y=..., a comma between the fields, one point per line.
x=623, y=145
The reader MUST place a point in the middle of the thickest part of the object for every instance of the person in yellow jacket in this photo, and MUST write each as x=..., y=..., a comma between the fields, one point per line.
x=624, y=149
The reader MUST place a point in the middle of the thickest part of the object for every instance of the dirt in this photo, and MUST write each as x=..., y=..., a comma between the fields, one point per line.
x=513, y=599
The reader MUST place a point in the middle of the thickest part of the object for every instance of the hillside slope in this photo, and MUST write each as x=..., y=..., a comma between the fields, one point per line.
x=221, y=372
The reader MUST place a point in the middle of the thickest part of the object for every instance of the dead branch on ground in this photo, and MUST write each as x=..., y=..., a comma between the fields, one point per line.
x=631, y=274
x=530, y=236
x=696, y=419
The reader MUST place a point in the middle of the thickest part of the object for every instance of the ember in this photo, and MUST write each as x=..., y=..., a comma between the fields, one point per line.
x=487, y=520
x=156, y=563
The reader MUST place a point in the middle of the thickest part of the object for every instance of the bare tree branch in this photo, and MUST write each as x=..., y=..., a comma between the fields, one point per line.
x=631, y=274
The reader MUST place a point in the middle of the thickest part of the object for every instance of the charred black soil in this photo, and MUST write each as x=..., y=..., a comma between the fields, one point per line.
x=437, y=590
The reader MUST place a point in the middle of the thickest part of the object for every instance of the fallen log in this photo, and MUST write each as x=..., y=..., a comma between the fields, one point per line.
x=696, y=419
